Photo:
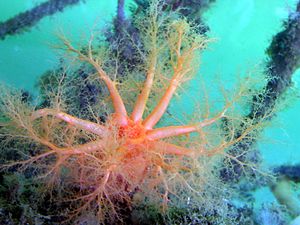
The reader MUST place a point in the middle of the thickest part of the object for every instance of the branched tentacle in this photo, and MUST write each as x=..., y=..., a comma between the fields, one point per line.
x=120, y=110
x=172, y=131
x=182, y=56
x=172, y=149
x=79, y=123
x=140, y=105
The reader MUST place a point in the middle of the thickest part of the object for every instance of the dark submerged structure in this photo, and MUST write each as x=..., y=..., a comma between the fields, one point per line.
x=282, y=62
x=25, y=20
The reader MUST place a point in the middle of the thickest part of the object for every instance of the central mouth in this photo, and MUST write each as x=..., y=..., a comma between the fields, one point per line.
x=132, y=131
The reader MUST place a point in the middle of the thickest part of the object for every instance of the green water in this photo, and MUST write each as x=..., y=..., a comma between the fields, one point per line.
x=23, y=58
x=243, y=30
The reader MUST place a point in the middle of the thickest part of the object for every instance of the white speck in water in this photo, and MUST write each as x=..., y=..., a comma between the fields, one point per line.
x=188, y=200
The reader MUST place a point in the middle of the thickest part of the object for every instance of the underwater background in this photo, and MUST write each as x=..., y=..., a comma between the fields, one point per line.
x=243, y=30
